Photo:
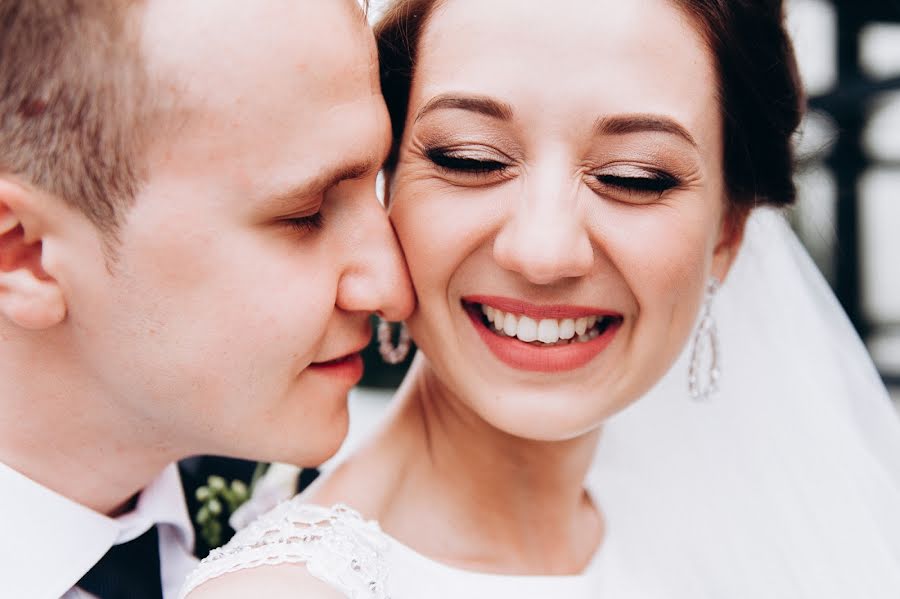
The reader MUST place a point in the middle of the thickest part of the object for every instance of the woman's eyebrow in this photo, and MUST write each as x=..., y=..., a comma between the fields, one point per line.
x=639, y=123
x=474, y=103
x=606, y=125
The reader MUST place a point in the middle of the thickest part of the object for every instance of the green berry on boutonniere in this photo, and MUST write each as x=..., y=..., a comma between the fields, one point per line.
x=218, y=500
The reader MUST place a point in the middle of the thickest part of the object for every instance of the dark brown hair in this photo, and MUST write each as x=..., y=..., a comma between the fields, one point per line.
x=70, y=110
x=759, y=88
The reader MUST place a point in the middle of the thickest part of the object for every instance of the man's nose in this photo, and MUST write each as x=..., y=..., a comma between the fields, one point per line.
x=376, y=278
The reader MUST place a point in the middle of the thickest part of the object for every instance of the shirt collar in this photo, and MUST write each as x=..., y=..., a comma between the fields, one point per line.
x=162, y=502
x=49, y=541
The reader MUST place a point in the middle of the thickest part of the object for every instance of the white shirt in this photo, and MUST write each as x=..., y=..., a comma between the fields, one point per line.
x=48, y=542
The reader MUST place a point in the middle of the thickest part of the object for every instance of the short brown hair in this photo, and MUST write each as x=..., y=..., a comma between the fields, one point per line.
x=70, y=110
x=759, y=89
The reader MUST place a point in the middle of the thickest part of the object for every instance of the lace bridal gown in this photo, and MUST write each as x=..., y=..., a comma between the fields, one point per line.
x=355, y=557
x=784, y=486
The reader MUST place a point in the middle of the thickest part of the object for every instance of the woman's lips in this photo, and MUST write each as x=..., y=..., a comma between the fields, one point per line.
x=545, y=340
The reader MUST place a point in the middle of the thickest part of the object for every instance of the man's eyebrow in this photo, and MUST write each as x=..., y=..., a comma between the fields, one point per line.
x=639, y=123
x=473, y=103
x=323, y=181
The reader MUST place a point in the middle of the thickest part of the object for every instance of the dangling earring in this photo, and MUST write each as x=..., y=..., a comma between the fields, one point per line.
x=705, y=350
x=389, y=353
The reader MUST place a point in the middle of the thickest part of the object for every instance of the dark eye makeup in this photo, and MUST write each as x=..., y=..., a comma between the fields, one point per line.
x=652, y=183
x=455, y=161
x=627, y=178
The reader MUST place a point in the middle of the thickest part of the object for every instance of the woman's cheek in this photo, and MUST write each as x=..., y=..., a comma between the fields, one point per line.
x=663, y=261
x=437, y=228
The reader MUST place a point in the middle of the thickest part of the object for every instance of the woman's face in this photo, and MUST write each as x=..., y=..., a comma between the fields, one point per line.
x=560, y=178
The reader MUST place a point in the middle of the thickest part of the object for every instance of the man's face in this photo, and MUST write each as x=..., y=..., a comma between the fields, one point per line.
x=256, y=250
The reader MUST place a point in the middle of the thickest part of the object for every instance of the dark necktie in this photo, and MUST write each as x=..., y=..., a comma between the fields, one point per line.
x=127, y=571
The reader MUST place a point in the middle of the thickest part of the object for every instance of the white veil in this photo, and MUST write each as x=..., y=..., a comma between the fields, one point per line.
x=787, y=483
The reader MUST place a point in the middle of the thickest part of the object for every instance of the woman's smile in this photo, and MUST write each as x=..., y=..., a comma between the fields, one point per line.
x=541, y=338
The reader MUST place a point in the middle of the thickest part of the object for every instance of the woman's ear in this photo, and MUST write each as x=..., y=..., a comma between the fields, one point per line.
x=29, y=297
x=731, y=236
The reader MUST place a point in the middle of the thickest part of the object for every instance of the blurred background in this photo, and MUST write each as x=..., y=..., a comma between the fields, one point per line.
x=848, y=213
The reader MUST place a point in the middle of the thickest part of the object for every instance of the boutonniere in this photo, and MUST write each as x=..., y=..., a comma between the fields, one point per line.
x=219, y=500
x=279, y=483
x=226, y=507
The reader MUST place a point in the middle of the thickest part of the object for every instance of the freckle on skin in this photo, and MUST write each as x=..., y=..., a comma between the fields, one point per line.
x=32, y=107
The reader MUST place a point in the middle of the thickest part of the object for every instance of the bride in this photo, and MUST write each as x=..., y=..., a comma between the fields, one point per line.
x=571, y=183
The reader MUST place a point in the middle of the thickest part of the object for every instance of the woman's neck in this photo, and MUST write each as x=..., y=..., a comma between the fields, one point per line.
x=488, y=500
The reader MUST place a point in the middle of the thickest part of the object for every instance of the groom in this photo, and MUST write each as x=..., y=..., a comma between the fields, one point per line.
x=190, y=248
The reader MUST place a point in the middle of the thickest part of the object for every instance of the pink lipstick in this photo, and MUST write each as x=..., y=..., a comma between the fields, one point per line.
x=542, y=337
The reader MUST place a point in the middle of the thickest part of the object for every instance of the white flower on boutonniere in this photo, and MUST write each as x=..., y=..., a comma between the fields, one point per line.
x=278, y=484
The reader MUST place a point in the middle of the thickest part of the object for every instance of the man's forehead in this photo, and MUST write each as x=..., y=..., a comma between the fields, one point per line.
x=209, y=52
x=271, y=102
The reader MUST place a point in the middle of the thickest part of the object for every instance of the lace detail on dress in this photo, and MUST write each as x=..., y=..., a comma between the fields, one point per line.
x=337, y=546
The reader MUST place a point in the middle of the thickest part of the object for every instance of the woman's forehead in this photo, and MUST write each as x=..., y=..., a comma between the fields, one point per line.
x=584, y=57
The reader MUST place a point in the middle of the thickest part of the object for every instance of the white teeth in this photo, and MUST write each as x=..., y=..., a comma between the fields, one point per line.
x=510, y=325
x=580, y=326
x=488, y=311
x=548, y=330
x=527, y=330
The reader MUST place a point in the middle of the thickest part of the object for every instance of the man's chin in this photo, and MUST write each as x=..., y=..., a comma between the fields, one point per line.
x=310, y=444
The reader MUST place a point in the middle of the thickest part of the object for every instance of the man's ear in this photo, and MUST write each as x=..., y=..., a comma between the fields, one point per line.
x=29, y=297
x=730, y=238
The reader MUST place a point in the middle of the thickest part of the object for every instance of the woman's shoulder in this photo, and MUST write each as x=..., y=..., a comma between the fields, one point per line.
x=276, y=581
x=297, y=545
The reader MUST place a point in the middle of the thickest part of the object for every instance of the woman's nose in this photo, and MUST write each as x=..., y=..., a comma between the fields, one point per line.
x=545, y=239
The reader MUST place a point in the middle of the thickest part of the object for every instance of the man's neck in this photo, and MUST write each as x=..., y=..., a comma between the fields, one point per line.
x=70, y=440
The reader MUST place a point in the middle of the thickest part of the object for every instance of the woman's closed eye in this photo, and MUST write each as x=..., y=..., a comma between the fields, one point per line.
x=466, y=162
x=639, y=182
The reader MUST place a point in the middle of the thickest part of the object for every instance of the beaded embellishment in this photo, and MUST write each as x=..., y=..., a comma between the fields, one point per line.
x=335, y=544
